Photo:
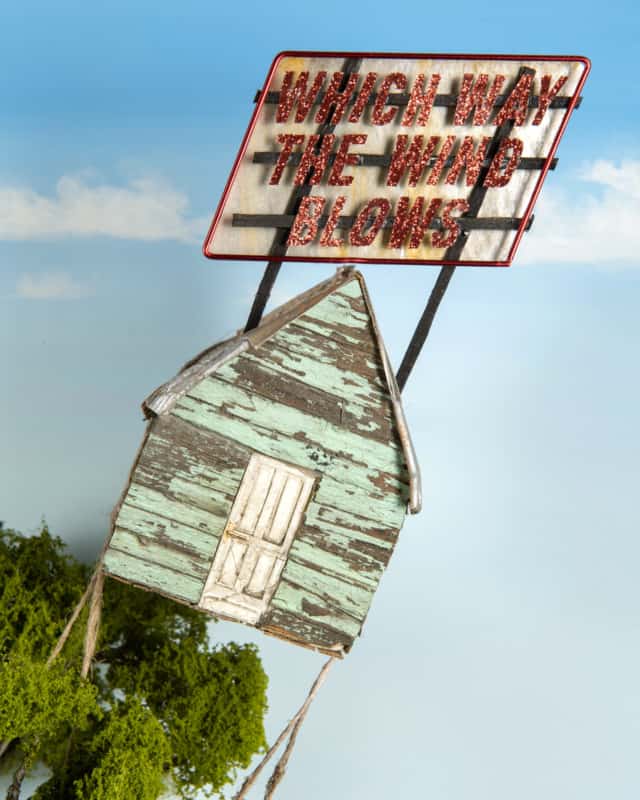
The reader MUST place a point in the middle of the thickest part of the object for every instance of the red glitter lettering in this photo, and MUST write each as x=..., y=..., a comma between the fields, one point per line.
x=439, y=238
x=517, y=104
x=344, y=157
x=299, y=94
x=421, y=99
x=412, y=222
x=337, y=99
x=373, y=214
x=305, y=225
x=447, y=147
x=363, y=95
x=414, y=159
x=314, y=161
x=467, y=159
x=475, y=98
x=546, y=95
x=327, y=240
x=289, y=140
x=379, y=116
x=500, y=173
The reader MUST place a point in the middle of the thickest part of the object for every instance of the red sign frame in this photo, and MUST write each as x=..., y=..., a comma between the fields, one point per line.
x=574, y=98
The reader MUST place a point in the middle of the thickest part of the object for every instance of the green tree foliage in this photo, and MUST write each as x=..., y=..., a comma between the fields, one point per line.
x=131, y=752
x=37, y=703
x=165, y=708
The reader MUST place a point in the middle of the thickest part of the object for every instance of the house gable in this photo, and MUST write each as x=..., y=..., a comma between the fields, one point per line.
x=314, y=393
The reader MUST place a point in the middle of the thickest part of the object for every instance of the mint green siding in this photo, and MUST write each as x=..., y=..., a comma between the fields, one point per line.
x=313, y=395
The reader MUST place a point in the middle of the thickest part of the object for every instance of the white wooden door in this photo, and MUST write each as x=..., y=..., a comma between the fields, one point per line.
x=251, y=554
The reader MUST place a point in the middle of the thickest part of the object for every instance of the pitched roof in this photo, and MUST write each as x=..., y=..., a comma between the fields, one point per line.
x=162, y=400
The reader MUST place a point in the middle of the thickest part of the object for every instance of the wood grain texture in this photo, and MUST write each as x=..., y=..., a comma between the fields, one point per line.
x=310, y=606
x=170, y=533
x=177, y=504
x=144, y=573
x=280, y=387
x=311, y=633
x=162, y=552
x=314, y=395
x=294, y=436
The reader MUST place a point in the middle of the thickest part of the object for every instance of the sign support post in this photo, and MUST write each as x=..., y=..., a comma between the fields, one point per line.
x=453, y=254
x=279, y=246
x=388, y=159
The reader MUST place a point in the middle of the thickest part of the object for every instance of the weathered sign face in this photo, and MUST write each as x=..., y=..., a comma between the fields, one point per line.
x=395, y=158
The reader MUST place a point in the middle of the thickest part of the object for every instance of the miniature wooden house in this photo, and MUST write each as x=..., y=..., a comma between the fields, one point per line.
x=275, y=474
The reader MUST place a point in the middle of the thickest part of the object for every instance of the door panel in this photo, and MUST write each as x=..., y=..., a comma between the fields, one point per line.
x=270, y=507
x=285, y=510
x=231, y=563
x=267, y=512
x=261, y=572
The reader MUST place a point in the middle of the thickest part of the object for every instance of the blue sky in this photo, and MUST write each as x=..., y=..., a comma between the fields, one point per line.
x=501, y=654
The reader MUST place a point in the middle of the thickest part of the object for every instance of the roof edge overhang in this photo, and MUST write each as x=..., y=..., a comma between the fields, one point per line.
x=164, y=398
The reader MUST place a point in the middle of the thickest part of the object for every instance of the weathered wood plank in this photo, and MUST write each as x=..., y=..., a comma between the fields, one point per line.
x=346, y=305
x=158, y=503
x=334, y=312
x=195, y=454
x=232, y=405
x=197, y=448
x=387, y=512
x=333, y=592
x=257, y=378
x=296, y=448
x=331, y=513
x=324, y=325
x=308, y=605
x=163, y=553
x=298, y=348
x=143, y=573
x=369, y=561
x=298, y=341
x=322, y=373
x=335, y=562
x=163, y=530
x=352, y=291
x=189, y=465
x=295, y=628
x=281, y=388
x=366, y=411
x=192, y=493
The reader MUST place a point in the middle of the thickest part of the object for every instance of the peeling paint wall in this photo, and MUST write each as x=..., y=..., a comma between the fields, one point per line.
x=313, y=395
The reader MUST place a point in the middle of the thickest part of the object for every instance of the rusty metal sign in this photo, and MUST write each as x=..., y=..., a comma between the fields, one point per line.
x=378, y=158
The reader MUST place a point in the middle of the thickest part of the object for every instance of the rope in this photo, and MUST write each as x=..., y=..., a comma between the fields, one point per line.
x=93, y=623
x=292, y=728
x=94, y=591
x=281, y=767
x=72, y=620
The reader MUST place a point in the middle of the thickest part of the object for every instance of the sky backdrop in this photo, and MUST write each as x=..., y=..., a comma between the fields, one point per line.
x=501, y=656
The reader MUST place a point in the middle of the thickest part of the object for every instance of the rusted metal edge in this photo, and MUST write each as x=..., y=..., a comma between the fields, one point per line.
x=413, y=468
x=271, y=323
x=280, y=245
x=337, y=650
x=440, y=101
x=285, y=221
x=373, y=160
x=164, y=398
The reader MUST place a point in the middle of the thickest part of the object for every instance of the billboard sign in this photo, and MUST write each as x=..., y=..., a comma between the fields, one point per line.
x=403, y=158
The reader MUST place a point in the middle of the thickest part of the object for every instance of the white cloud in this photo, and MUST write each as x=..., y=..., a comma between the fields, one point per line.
x=625, y=178
x=51, y=286
x=147, y=209
x=589, y=225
